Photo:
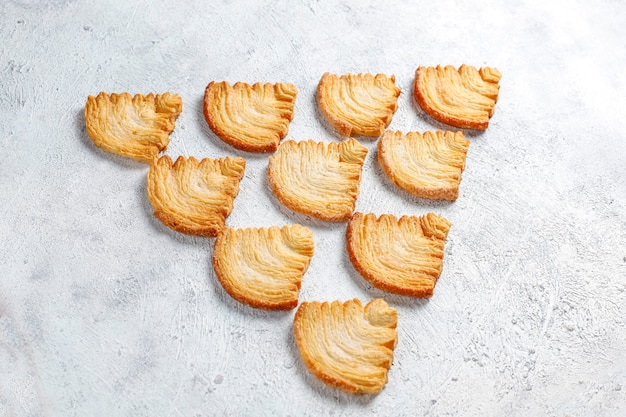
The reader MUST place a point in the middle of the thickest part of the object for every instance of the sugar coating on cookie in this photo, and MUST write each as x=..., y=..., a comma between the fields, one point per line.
x=318, y=179
x=253, y=118
x=463, y=98
x=194, y=197
x=135, y=127
x=402, y=256
x=263, y=267
x=347, y=345
x=427, y=165
x=358, y=104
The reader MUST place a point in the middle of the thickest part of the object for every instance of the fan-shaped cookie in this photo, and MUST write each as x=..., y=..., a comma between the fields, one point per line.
x=463, y=98
x=426, y=165
x=360, y=104
x=402, y=256
x=318, y=179
x=347, y=346
x=194, y=197
x=263, y=267
x=251, y=118
x=136, y=127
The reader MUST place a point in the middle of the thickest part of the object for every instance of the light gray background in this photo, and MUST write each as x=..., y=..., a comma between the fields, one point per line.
x=104, y=311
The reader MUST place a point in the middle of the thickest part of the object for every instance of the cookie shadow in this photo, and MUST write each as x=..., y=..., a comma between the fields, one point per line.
x=87, y=142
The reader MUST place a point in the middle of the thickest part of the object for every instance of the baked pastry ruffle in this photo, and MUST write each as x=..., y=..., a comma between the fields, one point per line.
x=358, y=104
x=402, y=256
x=194, y=197
x=316, y=178
x=427, y=165
x=135, y=127
x=463, y=98
x=346, y=345
x=263, y=267
x=253, y=118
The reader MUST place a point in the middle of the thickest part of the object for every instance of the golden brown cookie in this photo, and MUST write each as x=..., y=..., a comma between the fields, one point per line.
x=463, y=98
x=426, y=165
x=402, y=256
x=263, y=268
x=347, y=346
x=318, y=179
x=136, y=127
x=360, y=104
x=252, y=118
x=194, y=197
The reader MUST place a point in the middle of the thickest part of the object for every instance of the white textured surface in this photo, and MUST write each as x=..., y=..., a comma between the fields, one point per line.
x=103, y=311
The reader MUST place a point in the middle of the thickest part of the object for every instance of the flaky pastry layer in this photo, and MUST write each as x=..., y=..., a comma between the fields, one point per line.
x=463, y=98
x=135, y=127
x=252, y=118
x=263, y=267
x=427, y=165
x=361, y=104
x=346, y=345
x=402, y=256
x=194, y=197
x=318, y=179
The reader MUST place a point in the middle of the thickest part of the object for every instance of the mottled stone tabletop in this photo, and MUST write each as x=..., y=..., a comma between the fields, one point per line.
x=106, y=312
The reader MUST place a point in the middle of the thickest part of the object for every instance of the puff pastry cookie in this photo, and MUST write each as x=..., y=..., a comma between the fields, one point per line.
x=263, y=268
x=360, y=104
x=402, y=256
x=194, y=197
x=347, y=346
x=426, y=165
x=252, y=118
x=136, y=127
x=318, y=179
x=463, y=98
